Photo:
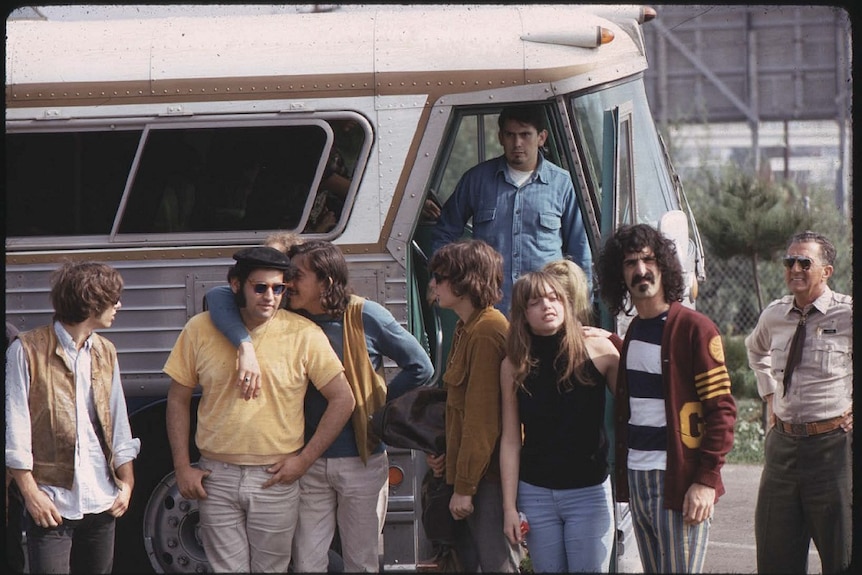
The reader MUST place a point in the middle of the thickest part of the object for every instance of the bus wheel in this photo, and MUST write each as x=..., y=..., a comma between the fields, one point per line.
x=134, y=547
x=171, y=531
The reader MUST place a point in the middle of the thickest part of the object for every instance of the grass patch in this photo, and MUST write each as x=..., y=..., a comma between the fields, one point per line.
x=748, y=432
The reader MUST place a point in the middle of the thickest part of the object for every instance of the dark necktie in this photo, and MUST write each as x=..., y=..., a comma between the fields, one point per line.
x=796, y=345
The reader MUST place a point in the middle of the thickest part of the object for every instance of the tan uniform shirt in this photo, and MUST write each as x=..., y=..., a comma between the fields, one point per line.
x=822, y=384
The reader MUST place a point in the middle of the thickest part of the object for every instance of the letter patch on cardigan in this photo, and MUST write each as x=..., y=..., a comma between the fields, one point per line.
x=716, y=350
x=691, y=424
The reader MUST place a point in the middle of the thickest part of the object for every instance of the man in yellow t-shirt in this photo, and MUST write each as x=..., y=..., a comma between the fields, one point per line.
x=252, y=451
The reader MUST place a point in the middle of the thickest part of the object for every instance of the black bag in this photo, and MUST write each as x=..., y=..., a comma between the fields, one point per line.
x=415, y=420
x=440, y=526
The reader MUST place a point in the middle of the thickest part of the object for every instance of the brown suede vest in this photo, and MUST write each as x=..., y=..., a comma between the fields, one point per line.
x=52, y=404
x=368, y=386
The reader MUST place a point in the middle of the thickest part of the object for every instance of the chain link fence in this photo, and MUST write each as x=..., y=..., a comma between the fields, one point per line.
x=729, y=296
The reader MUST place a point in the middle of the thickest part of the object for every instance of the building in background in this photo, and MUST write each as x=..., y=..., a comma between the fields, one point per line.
x=767, y=87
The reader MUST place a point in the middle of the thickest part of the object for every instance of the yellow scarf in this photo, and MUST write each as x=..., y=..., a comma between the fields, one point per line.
x=368, y=386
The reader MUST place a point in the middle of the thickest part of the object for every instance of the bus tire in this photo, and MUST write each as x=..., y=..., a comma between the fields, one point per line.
x=143, y=541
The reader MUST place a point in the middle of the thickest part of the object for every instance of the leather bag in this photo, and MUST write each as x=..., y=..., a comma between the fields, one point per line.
x=414, y=420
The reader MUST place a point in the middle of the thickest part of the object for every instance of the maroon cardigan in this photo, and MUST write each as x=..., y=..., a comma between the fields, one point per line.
x=699, y=406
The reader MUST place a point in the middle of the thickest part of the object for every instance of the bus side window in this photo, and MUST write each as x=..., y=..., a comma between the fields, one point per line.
x=223, y=179
x=66, y=183
x=165, y=185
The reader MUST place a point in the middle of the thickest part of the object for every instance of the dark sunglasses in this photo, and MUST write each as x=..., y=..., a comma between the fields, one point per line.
x=439, y=278
x=260, y=288
x=804, y=263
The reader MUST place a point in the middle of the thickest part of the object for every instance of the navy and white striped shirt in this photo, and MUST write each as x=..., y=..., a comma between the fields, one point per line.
x=647, y=433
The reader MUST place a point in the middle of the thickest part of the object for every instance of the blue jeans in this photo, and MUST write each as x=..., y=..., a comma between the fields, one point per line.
x=571, y=530
x=83, y=545
x=246, y=528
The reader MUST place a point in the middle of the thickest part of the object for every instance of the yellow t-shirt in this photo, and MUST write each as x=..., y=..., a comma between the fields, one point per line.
x=291, y=350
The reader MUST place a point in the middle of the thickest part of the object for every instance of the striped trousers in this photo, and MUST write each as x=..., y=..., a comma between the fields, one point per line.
x=665, y=543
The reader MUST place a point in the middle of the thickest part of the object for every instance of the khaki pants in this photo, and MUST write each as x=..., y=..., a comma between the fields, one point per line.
x=342, y=491
x=246, y=528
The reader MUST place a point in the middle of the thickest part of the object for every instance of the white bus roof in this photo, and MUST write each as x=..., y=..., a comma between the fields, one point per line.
x=433, y=51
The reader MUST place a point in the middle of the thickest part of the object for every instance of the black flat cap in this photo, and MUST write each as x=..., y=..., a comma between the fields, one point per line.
x=262, y=257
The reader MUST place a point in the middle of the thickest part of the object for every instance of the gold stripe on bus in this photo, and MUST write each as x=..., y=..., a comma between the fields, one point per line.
x=434, y=84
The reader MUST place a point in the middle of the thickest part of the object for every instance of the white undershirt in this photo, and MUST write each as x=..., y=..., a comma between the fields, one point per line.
x=518, y=177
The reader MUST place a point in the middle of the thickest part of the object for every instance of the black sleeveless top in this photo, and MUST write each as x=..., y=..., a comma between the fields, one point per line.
x=565, y=445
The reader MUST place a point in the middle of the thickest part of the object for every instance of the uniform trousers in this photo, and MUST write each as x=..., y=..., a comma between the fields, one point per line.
x=805, y=492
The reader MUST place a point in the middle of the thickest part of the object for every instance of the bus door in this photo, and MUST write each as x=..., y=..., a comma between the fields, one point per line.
x=471, y=138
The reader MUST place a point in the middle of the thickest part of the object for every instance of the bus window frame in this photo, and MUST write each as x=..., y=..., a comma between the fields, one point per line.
x=148, y=124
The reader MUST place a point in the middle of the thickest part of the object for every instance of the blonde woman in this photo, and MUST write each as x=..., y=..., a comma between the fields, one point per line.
x=575, y=283
x=553, y=383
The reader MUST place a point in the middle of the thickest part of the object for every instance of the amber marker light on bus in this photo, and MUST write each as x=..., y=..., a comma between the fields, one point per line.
x=641, y=14
x=396, y=476
x=606, y=36
x=648, y=14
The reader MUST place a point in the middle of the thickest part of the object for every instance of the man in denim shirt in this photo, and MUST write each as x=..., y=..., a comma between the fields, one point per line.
x=524, y=206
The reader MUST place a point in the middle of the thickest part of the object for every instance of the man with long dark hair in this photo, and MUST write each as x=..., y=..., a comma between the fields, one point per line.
x=674, y=410
x=346, y=488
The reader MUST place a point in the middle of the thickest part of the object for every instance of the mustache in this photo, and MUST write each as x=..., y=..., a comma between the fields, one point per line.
x=645, y=277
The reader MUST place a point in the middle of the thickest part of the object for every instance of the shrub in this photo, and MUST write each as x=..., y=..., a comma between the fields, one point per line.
x=742, y=379
x=748, y=436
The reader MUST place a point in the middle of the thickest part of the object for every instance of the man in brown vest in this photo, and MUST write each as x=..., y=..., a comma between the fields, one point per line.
x=69, y=445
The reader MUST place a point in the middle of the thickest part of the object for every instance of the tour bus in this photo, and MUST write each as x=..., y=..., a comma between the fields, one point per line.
x=163, y=145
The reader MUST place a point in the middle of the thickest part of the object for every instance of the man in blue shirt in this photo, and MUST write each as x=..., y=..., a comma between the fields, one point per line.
x=524, y=206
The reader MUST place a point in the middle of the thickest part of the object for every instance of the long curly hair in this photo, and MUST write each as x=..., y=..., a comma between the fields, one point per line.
x=634, y=238
x=572, y=355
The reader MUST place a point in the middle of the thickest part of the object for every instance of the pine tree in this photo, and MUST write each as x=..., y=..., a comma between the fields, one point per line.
x=748, y=216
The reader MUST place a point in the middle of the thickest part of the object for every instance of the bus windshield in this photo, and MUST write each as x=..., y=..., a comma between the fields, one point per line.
x=653, y=188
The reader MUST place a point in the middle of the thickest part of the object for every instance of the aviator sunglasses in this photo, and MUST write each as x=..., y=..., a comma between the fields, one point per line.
x=260, y=288
x=804, y=263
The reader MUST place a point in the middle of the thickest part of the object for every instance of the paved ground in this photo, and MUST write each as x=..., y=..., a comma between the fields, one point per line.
x=731, y=537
